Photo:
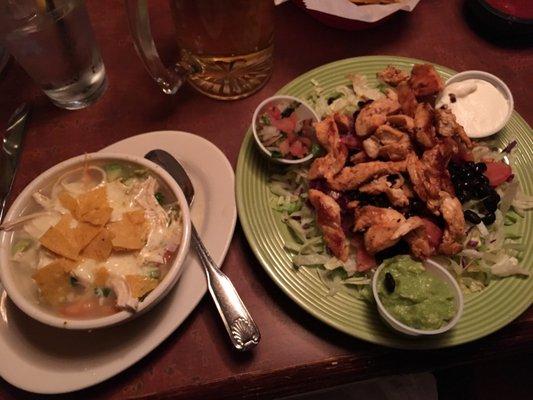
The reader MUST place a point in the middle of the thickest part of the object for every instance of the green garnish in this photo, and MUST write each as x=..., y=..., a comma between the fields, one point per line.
x=265, y=120
x=276, y=154
x=154, y=273
x=160, y=197
x=381, y=87
x=21, y=246
x=316, y=149
x=114, y=171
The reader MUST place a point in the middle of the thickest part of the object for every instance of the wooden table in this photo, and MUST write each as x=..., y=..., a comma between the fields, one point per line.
x=297, y=352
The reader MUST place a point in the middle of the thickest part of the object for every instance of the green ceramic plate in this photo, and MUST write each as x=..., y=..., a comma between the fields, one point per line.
x=484, y=313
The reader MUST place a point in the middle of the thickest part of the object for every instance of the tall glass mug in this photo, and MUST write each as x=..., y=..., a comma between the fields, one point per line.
x=225, y=45
x=54, y=42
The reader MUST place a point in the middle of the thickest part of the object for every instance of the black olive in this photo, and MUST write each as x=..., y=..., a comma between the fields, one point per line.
x=464, y=186
x=287, y=112
x=489, y=219
x=483, y=191
x=491, y=202
x=453, y=166
x=480, y=167
x=469, y=166
x=468, y=175
x=471, y=216
x=390, y=283
x=484, y=180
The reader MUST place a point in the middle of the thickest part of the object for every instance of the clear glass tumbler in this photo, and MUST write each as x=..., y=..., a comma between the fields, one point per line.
x=54, y=42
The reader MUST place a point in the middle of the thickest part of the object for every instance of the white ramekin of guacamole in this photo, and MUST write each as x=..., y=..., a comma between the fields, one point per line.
x=417, y=298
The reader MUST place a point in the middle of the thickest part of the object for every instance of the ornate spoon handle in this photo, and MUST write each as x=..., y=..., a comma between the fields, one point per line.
x=241, y=328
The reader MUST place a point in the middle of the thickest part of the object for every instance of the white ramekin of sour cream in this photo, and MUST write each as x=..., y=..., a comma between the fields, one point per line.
x=481, y=102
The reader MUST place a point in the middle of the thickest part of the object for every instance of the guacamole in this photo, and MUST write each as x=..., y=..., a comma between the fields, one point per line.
x=413, y=296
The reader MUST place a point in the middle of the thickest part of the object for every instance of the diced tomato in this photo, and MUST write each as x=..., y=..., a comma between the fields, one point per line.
x=284, y=147
x=286, y=125
x=364, y=260
x=274, y=113
x=87, y=308
x=433, y=231
x=291, y=137
x=297, y=149
x=306, y=142
x=167, y=257
x=497, y=172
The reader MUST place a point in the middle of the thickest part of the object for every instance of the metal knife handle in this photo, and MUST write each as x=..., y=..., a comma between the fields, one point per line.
x=241, y=328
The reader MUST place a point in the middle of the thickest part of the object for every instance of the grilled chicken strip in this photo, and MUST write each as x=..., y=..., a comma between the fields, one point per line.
x=425, y=80
x=328, y=136
x=401, y=121
x=454, y=233
x=424, y=132
x=383, y=227
x=448, y=126
x=388, y=143
x=375, y=114
x=430, y=175
x=352, y=177
x=407, y=99
x=394, y=191
x=392, y=76
x=419, y=244
x=329, y=220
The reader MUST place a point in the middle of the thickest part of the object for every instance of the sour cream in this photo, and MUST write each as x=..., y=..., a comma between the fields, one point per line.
x=478, y=106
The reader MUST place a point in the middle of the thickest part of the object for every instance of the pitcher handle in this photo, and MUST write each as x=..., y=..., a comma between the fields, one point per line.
x=139, y=21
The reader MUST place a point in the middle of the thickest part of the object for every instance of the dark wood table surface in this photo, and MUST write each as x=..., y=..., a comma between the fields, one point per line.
x=297, y=352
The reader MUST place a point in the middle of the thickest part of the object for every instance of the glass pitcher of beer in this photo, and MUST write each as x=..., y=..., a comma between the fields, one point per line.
x=225, y=46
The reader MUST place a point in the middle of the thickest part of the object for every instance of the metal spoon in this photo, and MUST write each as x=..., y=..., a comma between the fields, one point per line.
x=243, y=331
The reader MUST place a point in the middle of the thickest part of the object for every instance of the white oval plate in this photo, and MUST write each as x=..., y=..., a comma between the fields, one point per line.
x=47, y=360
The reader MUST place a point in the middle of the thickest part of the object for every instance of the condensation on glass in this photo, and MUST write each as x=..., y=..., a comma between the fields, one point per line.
x=53, y=41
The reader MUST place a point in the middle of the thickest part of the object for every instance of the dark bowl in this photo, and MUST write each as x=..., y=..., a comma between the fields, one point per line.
x=339, y=22
x=498, y=21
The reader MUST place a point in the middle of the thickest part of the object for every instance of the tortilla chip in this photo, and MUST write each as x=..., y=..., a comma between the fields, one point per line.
x=93, y=207
x=64, y=225
x=84, y=234
x=100, y=247
x=53, y=281
x=100, y=278
x=69, y=202
x=98, y=217
x=136, y=217
x=140, y=285
x=58, y=241
x=128, y=235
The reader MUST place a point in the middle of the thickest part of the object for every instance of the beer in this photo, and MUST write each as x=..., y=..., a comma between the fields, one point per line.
x=227, y=43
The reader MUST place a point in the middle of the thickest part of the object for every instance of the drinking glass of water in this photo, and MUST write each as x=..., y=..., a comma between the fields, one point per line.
x=54, y=42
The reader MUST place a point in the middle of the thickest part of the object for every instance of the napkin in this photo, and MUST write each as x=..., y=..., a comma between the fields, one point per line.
x=366, y=13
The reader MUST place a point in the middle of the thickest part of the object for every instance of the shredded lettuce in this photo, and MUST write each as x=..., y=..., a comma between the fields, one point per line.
x=342, y=99
x=489, y=251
